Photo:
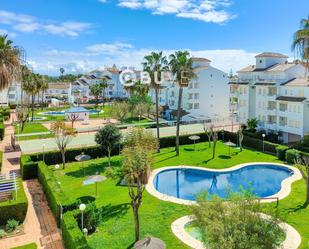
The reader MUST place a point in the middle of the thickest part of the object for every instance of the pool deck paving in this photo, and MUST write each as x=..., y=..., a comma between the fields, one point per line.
x=39, y=226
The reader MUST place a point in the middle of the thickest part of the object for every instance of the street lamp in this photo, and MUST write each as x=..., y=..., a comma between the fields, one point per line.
x=57, y=166
x=44, y=153
x=18, y=131
x=263, y=135
x=82, y=208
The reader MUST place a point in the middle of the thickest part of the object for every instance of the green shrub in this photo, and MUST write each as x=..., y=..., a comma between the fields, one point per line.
x=54, y=194
x=291, y=155
x=11, y=225
x=72, y=236
x=1, y=130
x=14, y=209
x=28, y=168
x=2, y=233
x=281, y=151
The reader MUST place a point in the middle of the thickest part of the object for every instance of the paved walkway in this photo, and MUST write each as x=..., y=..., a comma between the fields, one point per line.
x=87, y=139
x=39, y=226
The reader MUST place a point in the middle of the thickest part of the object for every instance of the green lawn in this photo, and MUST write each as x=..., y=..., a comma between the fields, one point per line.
x=117, y=228
x=32, y=128
x=28, y=246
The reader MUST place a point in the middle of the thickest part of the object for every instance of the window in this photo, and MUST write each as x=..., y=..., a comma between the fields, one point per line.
x=196, y=106
x=196, y=96
x=261, y=61
x=260, y=91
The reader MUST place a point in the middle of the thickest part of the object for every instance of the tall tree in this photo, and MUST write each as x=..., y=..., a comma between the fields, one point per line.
x=301, y=41
x=61, y=69
x=103, y=84
x=121, y=110
x=181, y=66
x=155, y=64
x=96, y=91
x=44, y=87
x=108, y=138
x=63, y=136
x=25, y=73
x=137, y=160
x=9, y=62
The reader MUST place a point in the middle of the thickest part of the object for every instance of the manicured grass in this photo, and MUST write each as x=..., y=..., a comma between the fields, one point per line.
x=32, y=128
x=294, y=211
x=117, y=228
x=202, y=156
x=28, y=246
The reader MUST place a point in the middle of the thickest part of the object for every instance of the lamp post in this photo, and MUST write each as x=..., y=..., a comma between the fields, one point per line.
x=44, y=153
x=263, y=135
x=57, y=166
x=82, y=208
x=18, y=132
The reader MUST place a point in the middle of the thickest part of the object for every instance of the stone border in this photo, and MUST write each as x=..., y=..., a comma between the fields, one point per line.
x=284, y=191
x=292, y=240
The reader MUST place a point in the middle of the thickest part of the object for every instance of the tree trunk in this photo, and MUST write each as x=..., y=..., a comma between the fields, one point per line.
x=63, y=159
x=178, y=119
x=157, y=117
x=214, y=150
x=42, y=100
x=136, y=222
x=32, y=106
x=109, y=156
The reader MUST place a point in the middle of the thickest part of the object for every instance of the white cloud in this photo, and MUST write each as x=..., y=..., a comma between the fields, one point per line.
x=125, y=54
x=30, y=24
x=6, y=32
x=203, y=10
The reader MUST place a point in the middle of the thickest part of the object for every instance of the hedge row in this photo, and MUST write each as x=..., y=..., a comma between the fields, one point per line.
x=72, y=236
x=14, y=209
x=54, y=195
x=281, y=152
x=29, y=162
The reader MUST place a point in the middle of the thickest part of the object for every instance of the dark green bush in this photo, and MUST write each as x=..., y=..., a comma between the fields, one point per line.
x=28, y=168
x=14, y=209
x=1, y=130
x=72, y=236
x=281, y=151
x=291, y=155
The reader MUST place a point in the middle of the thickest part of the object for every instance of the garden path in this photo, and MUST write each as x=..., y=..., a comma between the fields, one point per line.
x=40, y=225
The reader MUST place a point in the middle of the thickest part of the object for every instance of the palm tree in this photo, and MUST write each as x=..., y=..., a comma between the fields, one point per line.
x=25, y=72
x=61, y=71
x=301, y=41
x=155, y=64
x=141, y=89
x=9, y=62
x=32, y=86
x=181, y=66
x=103, y=86
x=44, y=87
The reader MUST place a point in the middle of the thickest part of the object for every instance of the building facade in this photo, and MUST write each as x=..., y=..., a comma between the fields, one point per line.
x=114, y=90
x=206, y=97
x=274, y=91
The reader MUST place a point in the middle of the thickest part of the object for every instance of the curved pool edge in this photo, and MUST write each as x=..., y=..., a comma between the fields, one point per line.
x=292, y=240
x=286, y=184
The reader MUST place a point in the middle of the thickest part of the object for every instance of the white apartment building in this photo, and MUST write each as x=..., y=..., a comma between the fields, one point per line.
x=206, y=97
x=274, y=91
x=115, y=89
x=11, y=95
x=59, y=90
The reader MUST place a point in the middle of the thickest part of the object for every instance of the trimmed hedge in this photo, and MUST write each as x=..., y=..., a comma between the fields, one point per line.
x=28, y=167
x=14, y=209
x=72, y=236
x=291, y=155
x=281, y=152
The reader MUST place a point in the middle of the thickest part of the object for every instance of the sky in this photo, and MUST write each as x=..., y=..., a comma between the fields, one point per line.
x=83, y=35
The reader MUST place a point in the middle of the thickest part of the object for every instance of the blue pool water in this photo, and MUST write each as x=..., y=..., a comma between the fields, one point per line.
x=59, y=113
x=185, y=183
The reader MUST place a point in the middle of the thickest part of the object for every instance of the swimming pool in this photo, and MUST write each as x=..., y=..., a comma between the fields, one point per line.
x=62, y=113
x=263, y=180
